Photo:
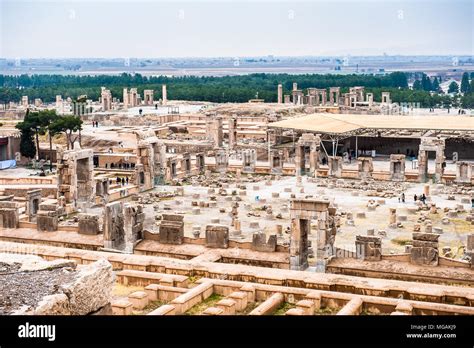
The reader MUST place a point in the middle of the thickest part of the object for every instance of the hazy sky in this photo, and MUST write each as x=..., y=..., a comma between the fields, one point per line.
x=157, y=28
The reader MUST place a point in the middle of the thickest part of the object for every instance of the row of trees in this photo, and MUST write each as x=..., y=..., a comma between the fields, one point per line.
x=425, y=84
x=395, y=79
x=467, y=100
x=228, y=88
x=46, y=122
x=213, y=89
x=465, y=88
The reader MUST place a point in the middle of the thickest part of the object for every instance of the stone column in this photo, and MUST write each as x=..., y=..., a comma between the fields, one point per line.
x=313, y=159
x=335, y=166
x=125, y=99
x=164, y=95
x=233, y=132
x=365, y=167
x=298, y=245
x=426, y=190
x=217, y=131
x=422, y=165
x=299, y=160
x=439, y=163
x=393, y=217
x=280, y=93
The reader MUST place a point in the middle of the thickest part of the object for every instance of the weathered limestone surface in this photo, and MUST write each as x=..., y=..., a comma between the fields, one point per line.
x=172, y=229
x=260, y=243
x=369, y=248
x=9, y=216
x=217, y=236
x=75, y=176
x=92, y=288
x=47, y=220
x=123, y=225
x=425, y=249
x=88, y=223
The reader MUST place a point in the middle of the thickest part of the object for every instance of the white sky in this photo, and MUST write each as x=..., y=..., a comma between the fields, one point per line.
x=157, y=28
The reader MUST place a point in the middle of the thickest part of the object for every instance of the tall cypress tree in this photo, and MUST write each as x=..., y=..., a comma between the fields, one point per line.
x=453, y=87
x=465, y=87
x=27, y=144
x=426, y=83
x=435, y=85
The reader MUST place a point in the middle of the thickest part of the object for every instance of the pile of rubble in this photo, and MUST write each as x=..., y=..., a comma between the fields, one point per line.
x=453, y=190
x=370, y=187
x=32, y=285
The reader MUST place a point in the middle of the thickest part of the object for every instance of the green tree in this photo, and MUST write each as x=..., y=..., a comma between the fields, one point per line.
x=417, y=85
x=453, y=87
x=465, y=87
x=435, y=85
x=31, y=126
x=27, y=145
x=426, y=83
x=467, y=101
x=67, y=125
x=47, y=118
x=399, y=79
x=35, y=124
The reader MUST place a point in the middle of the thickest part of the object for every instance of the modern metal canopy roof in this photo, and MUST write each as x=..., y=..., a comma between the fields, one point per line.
x=340, y=124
